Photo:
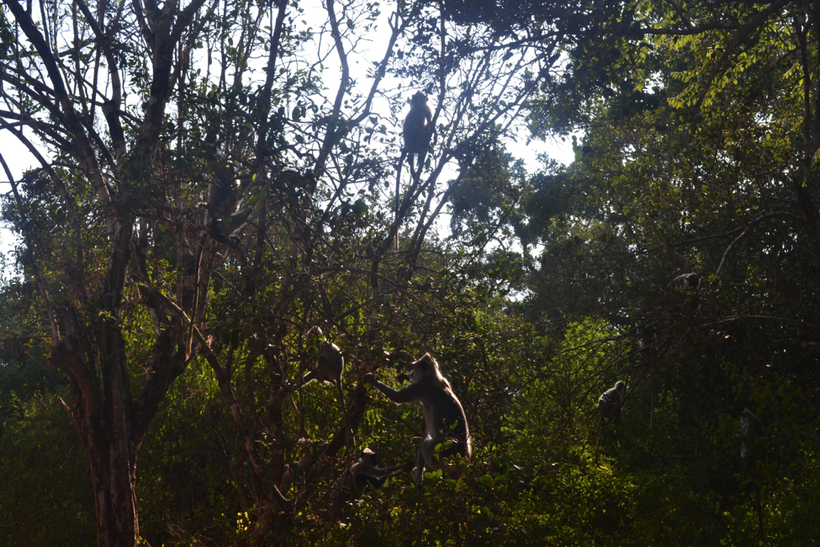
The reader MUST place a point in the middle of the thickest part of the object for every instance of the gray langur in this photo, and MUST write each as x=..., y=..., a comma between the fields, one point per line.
x=611, y=401
x=367, y=472
x=352, y=485
x=225, y=217
x=752, y=429
x=690, y=280
x=329, y=365
x=444, y=418
x=609, y=407
x=417, y=130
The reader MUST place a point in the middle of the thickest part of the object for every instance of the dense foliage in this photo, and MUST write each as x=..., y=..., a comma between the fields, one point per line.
x=150, y=368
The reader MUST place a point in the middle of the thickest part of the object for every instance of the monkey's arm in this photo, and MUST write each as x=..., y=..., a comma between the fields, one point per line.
x=309, y=377
x=410, y=394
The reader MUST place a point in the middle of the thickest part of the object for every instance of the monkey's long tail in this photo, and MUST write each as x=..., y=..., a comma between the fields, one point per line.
x=759, y=513
x=351, y=436
x=597, y=446
x=398, y=190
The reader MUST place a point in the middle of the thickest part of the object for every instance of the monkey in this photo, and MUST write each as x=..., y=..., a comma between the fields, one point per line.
x=417, y=130
x=690, y=280
x=224, y=217
x=444, y=418
x=329, y=365
x=752, y=429
x=611, y=401
x=367, y=472
x=609, y=407
x=352, y=485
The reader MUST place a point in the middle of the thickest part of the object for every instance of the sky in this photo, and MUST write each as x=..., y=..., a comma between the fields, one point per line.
x=20, y=160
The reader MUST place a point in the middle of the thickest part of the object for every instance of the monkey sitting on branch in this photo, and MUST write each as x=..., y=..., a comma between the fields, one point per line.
x=351, y=486
x=444, y=418
x=418, y=130
x=224, y=215
x=609, y=408
x=329, y=367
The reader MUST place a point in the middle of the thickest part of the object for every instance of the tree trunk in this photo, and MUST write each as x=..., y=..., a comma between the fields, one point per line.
x=113, y=463
x=114, y=480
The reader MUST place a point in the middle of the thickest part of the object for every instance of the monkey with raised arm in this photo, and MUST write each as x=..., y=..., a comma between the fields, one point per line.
x=417, y=130
x=690, y=280
x=329, y=367
x=444, y=418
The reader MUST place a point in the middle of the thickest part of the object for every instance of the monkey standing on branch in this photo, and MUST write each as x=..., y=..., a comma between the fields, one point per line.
x=444, y=418
x=609, y=407
x=752, y=429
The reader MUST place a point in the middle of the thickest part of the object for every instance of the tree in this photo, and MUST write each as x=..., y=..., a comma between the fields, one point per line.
x=132, y=111
x=697, y=157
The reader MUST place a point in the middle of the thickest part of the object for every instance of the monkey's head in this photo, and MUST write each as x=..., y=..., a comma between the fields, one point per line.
x=418, y=98
x=328, y=350
x=330, y=353
x=369, y=457
x=426, y=369
x=620, y=386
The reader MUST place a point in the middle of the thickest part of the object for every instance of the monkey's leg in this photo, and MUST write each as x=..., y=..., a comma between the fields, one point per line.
x=426, y=450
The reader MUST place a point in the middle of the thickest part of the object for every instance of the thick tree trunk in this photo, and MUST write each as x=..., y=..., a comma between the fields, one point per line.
x=114, y=480
x=110, y=423
x=113, y=463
